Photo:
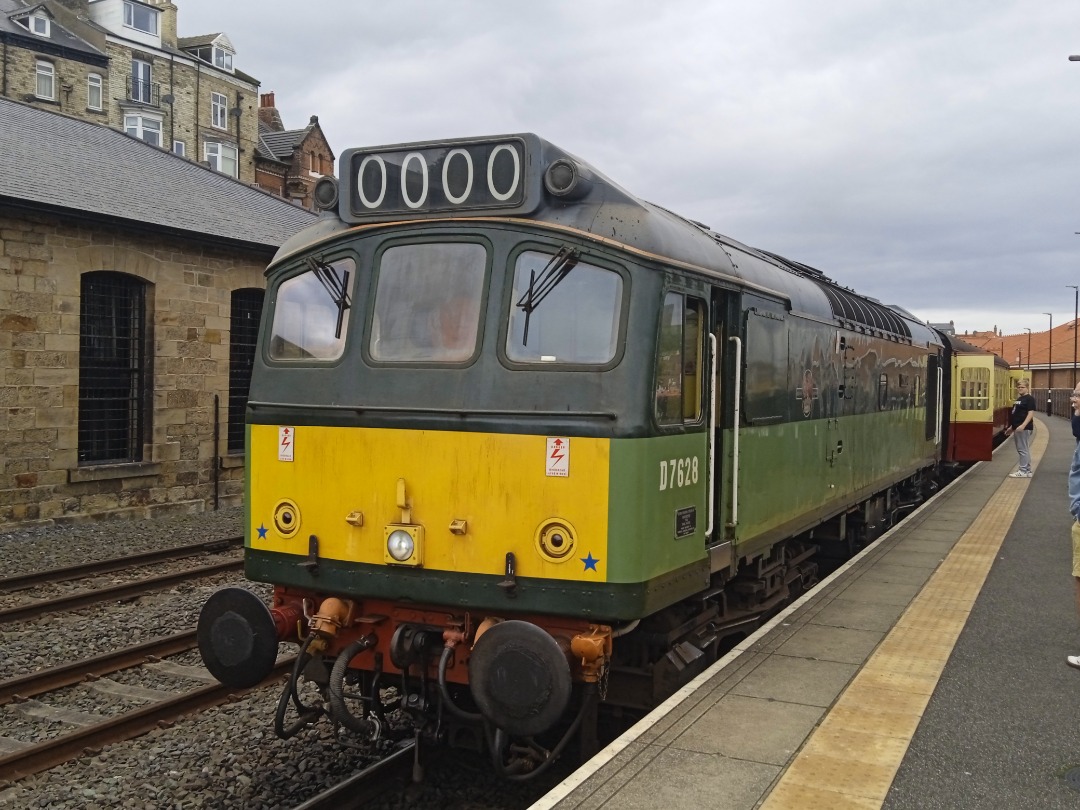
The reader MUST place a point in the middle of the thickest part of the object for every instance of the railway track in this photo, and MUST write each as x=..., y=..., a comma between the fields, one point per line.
x=31, y=609
x=139, y=587
x=31, y=758
x=30, y=579
x=30, y=741
x=381, y=778
x=53, y=678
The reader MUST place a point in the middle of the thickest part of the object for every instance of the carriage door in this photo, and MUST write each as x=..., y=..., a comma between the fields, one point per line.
x=933, y=398
x=721, y=354
x=683, y=392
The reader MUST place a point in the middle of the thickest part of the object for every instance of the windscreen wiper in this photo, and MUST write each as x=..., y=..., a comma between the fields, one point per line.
x=541, y=286
x=338, y=288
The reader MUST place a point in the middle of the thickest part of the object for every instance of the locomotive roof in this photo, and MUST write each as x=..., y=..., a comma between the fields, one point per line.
x=560, y=189
x=959, y=346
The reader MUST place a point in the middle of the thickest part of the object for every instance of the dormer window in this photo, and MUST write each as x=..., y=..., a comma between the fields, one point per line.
x=39, y=24
x=141, y=18
x=215, y=55
x=222, y=59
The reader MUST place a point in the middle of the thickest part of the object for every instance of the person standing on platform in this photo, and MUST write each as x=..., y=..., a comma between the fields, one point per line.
x=1022, y=426
x=1074, y=508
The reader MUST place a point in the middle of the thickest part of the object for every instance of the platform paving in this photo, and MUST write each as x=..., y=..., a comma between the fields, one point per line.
x=928, y=672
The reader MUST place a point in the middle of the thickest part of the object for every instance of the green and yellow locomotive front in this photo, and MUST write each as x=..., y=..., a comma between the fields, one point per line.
x=463, y=449
x=528, y=437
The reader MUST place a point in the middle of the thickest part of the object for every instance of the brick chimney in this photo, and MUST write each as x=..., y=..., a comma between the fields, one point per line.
x=268, y=113
x=168, y=24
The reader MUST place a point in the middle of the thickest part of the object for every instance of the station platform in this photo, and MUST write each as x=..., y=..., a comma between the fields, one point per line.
x=928, y=672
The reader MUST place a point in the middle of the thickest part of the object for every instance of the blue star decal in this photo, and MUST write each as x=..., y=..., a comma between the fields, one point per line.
x=262, y=531
x=590, y=562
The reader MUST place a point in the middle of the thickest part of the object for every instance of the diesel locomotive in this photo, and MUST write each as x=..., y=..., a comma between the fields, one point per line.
x=521, y=444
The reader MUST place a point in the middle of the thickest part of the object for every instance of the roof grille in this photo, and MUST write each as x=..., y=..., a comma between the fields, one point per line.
x=846, y=304
x=851, y=307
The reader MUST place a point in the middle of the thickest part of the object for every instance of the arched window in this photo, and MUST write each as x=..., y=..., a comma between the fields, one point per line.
x=113, y=390
x=243, y=333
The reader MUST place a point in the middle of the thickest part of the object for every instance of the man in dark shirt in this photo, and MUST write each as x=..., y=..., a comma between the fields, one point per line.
x=1022, y=427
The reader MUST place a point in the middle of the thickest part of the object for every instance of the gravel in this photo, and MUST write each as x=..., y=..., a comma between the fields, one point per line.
x=228, y=757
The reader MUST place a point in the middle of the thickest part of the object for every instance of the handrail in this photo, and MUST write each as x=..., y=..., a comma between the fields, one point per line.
x=712, y=439
x=735, y=434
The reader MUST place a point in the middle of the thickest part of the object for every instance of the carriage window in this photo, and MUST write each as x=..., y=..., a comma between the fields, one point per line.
x=679, y=360
x=311, y=312
x=563, y=310
x=974, y=389
x=428, y=302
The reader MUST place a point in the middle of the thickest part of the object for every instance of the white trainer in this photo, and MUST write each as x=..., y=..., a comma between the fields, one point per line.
x=1073, y=661
x=1020, y=474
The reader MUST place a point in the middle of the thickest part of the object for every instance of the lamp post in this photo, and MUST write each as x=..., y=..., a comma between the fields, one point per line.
x=1029, y=347
x=1050, y=364
x=1076, y=315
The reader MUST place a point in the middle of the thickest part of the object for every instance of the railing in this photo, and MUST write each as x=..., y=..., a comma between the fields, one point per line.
x=144, y=92
x=1058, y=400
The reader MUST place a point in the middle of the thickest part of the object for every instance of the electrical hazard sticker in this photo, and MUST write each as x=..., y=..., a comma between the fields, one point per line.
x=558, y=457
x=286, y=443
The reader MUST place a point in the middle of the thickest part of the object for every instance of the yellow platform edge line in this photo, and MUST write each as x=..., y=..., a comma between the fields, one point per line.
x=851, y=758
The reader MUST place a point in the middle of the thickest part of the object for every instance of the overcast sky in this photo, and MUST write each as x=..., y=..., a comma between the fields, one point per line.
x=922, y=152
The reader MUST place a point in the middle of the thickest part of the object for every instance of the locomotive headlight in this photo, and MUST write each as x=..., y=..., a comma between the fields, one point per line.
x=404, y=545
x=400, y=545
x=567, y=179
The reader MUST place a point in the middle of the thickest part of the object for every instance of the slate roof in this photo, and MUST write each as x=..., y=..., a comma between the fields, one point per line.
x=280, y=145
x=206, y=39
x=52, y=160
x=264, y=150
x=59, y=36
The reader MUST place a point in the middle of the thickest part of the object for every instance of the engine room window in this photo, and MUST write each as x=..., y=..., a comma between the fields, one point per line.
x=679, y=360
x=765, y=390
x=311, y=312
x=428, y=301
x=563, y=310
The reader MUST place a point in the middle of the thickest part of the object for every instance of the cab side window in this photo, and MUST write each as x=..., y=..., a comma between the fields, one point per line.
x=680, y=360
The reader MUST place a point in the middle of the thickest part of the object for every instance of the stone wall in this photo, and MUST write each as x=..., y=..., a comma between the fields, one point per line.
x=42, y=259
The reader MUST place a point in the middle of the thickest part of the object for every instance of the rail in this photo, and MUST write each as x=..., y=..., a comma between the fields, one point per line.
x=82, y=598
x=50, y=753
x=19, y=581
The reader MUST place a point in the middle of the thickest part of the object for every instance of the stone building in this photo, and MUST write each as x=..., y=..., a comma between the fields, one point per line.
x=289, y=161
x=130, y=282
x=120, y=63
